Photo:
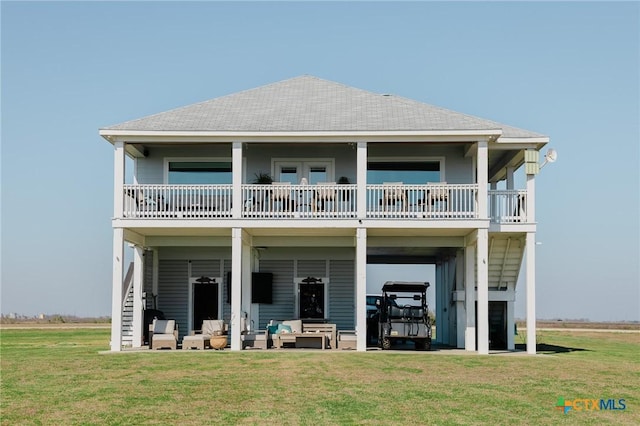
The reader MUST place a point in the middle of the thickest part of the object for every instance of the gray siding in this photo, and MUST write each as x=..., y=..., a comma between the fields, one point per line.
x=458, y=169
x=283, y=297
x=151, y=168
x=342, y=305
x=312, y=268
x=173, y=292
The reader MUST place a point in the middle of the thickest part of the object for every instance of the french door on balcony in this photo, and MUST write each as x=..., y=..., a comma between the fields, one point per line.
x=312, y=171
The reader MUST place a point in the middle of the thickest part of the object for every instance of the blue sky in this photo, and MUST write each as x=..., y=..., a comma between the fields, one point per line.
x=567, y=70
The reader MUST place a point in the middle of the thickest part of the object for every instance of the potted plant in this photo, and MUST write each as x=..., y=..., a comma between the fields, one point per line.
x=262, y=178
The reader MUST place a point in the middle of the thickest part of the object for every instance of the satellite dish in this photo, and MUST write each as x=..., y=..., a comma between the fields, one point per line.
x=550, y=157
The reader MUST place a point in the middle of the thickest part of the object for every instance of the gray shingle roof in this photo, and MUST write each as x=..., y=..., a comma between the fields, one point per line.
x=311, y=104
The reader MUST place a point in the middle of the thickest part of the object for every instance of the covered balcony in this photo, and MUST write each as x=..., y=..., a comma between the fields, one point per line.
x=321, y=201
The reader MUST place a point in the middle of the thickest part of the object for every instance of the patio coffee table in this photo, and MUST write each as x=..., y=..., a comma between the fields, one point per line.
x=311, y=336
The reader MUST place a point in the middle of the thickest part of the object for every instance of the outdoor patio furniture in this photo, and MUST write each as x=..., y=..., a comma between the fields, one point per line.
x=201, y=339
x=323, y=195
x=281, y=193
x=392, y=195
x=297, y=332
x=163, y=334
x=436, y=198
x=347, y=339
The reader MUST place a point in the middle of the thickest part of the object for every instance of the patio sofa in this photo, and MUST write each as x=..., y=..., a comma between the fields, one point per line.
x=288, y=331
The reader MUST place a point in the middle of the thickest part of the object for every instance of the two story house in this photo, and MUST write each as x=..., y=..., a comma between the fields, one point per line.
x=269, y=204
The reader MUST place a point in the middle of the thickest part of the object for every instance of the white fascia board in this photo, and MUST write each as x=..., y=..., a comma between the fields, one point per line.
x=537, y=140
x=190, y=241
x=512, y=227
x=426, y=224
x=330, y=136
x=439, y=241
x=294, y=241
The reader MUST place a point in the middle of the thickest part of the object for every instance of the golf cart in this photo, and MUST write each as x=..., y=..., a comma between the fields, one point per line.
x=404, y=314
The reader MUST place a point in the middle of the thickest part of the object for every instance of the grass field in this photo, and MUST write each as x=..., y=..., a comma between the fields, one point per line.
x=58, y=377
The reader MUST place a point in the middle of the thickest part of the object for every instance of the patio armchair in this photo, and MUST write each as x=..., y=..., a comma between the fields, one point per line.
x=325, y=193
x=163, y=334
x=393, y=194
x=436, y=198
x=281, y=192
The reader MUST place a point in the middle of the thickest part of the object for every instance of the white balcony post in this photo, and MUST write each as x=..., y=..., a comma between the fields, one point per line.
x=482, y=260
x=361, y=177
x=118, y=179
x=361, y=288
x=116, y=290
x=138, y=277
x=530, y=247
x=470, y=297
x=482, y=177
x=531, y=199
x=236, y=165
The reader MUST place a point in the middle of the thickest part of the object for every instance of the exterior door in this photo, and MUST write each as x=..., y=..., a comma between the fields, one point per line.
x=311, y=303
x=205, y=303
x=312, y=171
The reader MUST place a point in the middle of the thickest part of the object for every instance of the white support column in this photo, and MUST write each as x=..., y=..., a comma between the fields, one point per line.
x=362, y=180
x=461, y=319
x=236, y=287
x=246, y=280
x=138, y=277
x=530, y=280
x=451, y=306
x=483, y=178
x=440, y=315
x=236, y=176
x=470, y=297
x=155, y=278
x=511, y=326
x=482, y=265
x=118, y=179
x=361, y=288
x=116, y=290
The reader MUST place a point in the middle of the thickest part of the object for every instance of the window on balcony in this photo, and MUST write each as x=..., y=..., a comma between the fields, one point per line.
x=407, y=172
x=199, y=172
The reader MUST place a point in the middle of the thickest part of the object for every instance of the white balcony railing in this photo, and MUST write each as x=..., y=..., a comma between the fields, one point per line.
x=299, y=201
x=422, y=201
x=508, y=206
x=177, y=201
x=284, y=200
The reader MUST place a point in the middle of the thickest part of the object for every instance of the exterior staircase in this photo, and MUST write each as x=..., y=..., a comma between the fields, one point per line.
x=505, y=259
x=127, y=308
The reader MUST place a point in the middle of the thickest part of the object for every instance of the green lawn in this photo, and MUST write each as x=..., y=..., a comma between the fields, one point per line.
x=55, y=377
